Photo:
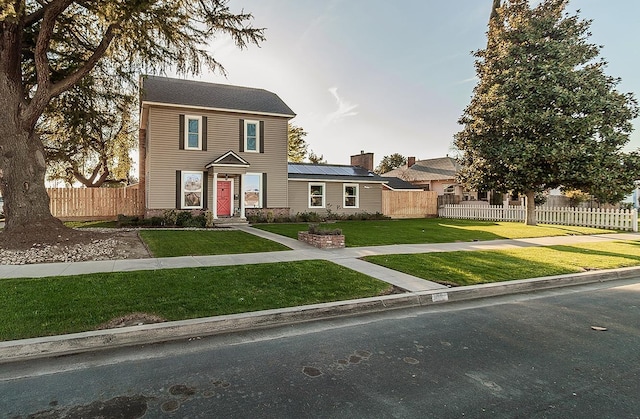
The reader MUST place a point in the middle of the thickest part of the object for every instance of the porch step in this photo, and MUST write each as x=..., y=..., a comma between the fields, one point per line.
x=230, y=221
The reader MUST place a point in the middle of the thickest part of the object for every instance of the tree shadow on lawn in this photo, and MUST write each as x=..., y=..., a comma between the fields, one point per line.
x=480, y=267
x=595, y=252
x=468, y=268
x=514, y=230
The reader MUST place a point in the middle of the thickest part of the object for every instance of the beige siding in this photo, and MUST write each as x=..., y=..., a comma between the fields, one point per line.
x=164, y=156
x=370, y=199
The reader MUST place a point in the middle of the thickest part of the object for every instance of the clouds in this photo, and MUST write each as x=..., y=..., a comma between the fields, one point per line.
x=344, y=110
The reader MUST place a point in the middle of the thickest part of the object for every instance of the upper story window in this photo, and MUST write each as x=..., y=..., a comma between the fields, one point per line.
x=252, y=136
x=316, y=195
x=450, y=190
x=193, y=133
x=351, y=199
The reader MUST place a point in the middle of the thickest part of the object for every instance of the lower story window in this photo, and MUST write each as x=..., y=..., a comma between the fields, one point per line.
x=316, y=195
x=192, y=190
x=351, y=196
x=252, y=190
x=450, y=190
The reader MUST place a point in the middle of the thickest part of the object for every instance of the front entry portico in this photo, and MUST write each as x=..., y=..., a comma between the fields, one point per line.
x=228, y=172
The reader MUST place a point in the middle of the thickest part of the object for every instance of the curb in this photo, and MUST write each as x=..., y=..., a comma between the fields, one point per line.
x=28, y=349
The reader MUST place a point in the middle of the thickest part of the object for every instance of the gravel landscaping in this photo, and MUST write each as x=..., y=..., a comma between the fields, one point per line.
x=108, y=244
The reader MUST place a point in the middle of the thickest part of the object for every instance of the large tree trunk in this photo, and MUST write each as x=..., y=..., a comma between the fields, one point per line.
x=23, y=167
x=530, y=217
x=22, y=175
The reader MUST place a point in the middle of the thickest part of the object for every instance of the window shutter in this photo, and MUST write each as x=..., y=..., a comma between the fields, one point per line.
x=204, y=133
x=241, y=146
x=262, y=136
x=205, y=190
x=264, y=190
x=181, y=133
x=178, y=189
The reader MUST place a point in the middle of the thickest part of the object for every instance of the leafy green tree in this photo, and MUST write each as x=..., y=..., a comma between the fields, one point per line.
x=297, y=150
x=88, y=133
x=48, y=47
x=544, y=114
x=388, y=163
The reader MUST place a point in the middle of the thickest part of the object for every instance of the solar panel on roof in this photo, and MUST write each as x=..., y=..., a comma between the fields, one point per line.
x=292, y=168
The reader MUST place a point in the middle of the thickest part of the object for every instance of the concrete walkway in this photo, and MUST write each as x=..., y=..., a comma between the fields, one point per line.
x=348, y=257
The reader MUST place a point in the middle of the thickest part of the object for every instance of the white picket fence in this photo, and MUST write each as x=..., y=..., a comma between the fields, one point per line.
x=613, y=219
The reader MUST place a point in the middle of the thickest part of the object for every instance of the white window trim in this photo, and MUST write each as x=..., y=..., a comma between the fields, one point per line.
x=186, y=132
x=246, y=149
x=324, y=194
x=184, y=174
x=344, y=193
x=260, y=186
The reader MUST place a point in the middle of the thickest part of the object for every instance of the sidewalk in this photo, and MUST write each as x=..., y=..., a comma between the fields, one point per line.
x=420, y=292
x=348, y=257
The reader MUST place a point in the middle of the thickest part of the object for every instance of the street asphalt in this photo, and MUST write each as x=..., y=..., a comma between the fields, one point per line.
x=419, y=291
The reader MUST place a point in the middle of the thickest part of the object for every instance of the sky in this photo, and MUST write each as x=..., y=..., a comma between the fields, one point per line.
x=391, y=76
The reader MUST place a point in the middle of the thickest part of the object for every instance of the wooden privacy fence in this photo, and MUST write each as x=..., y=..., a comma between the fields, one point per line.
x=614, y=219
x=410, y=204
x=93, y=203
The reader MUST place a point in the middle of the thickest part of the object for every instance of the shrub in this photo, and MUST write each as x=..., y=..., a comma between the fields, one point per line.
x=183, y=218
x=308, y=216
x=170, y=217
x=208, y=215
x=317, y=230
x=127, y=221
x=199, y=221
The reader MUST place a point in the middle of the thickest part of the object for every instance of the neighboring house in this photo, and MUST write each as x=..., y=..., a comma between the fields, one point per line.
x=337, y=188
x=206, y=146
x=437, y=175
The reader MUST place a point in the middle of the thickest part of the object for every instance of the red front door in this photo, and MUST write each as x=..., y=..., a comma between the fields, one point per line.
x=224, y=197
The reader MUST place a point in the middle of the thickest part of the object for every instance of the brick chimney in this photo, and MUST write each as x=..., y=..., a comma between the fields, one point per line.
x=364, y=160
x=411, y=161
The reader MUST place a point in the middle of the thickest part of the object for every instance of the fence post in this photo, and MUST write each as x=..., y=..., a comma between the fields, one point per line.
x=634, y=220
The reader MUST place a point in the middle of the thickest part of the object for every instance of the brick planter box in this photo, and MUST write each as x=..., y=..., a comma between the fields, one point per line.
x=322, y=241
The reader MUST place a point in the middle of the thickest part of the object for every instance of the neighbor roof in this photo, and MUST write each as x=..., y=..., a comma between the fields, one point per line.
x=212, y=96
x=396, y=184
x=312, y=171
x=442, y=168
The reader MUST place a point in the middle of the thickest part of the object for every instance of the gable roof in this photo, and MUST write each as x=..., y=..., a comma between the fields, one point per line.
x=442, y=168
x=312, y=171
x=228, y=159
x=164, y=90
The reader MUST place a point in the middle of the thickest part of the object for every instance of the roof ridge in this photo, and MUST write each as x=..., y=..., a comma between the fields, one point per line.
x=208, y=83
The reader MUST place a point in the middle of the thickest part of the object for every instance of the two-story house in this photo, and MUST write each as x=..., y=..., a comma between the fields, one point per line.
x=206, y=146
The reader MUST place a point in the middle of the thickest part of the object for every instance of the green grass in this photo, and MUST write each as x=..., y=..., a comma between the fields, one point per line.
x=478, y=267
x=430, y=230
x=168, y=243
x=50, y=306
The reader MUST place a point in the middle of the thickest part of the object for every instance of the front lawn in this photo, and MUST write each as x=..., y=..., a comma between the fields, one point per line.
x=51, y=306
x=430, y=230
x=479, y=267
x=168, y=243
